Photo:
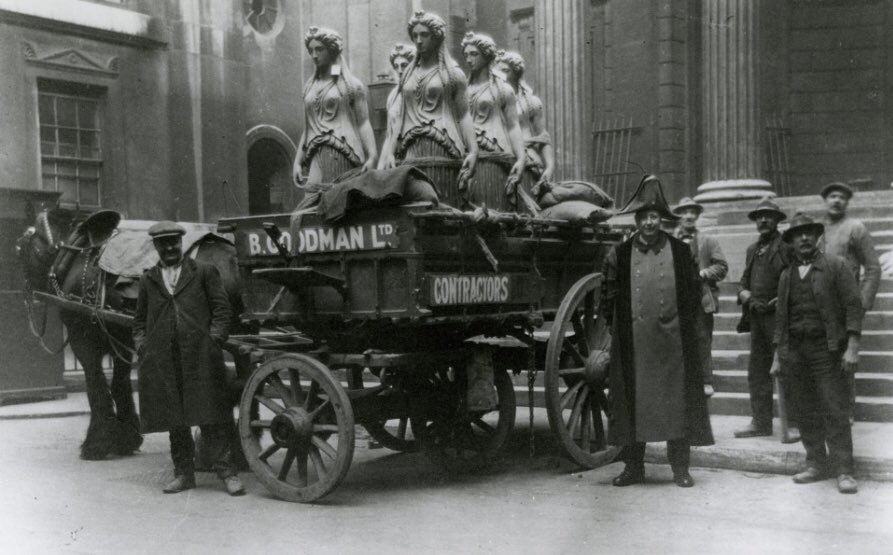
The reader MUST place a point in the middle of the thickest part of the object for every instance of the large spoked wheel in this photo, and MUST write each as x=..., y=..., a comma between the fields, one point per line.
x=576, y=379
x=296, y=426
x=393, y=434
x=467, y=441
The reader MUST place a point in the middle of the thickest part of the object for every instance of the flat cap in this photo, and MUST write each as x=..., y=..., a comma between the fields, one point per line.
x=166, y=229
x=837, y=186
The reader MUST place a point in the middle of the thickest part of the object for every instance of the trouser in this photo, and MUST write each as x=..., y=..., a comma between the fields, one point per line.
x=216, y=443
x=707, y=348
x=821, y=391
x=759, y=381
x=678, y=453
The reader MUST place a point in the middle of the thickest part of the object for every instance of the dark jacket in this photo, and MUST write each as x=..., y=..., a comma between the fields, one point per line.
x=712, y=262
x=622, y=373
x=836, y=295
x=181, y=371
x=779, y=256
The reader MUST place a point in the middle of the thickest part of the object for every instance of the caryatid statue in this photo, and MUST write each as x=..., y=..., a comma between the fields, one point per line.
x=434, y=131
x=401, y=56
x=540, y=156
x=337, y=134
x=494, y=113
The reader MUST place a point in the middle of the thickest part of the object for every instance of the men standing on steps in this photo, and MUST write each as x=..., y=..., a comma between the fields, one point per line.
x=712, y=268
x=765, y=259
x=182, y=318
x=849, y=239
x=654, y=298
x=817, y=331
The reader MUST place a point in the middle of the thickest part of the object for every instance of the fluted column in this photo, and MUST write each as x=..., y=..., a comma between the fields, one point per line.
x=563, y=69
x=731, y=121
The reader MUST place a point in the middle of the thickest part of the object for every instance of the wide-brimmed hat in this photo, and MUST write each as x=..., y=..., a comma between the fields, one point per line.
x=766, y=205
x=166, y=229
x=687, y=202
x=800, y=223
x=649, y=195
x=837, y=186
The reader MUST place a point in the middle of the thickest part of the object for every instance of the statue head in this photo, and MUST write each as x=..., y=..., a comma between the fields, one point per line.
x=323, y=44
x=400, y=57
x=511, y=63
x=427, y=31
x=479, y=50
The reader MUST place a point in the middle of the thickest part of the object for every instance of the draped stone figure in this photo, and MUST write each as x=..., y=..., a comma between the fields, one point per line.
x=434, y=131
x=400, y=57
x=494, y=113
x=539, y=155
x=337, y=134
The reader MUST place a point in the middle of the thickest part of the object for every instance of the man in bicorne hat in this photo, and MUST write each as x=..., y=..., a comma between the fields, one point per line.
x=712, y=268
x=765, y=259
x=182, y=318
x=654, y=299
x=848, y=238
x=817, y=331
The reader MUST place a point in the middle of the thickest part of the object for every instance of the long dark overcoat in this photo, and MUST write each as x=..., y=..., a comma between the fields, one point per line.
x=182, y=379
x=622, y=425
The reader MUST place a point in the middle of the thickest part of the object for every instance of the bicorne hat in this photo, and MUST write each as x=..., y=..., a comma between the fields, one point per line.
x=800, y=223
x=649, y=196
x=837, y=186
x=687, y=202
x=766, y=205
x=166, y=229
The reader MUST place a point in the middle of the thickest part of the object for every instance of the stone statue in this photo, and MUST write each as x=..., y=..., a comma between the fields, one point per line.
x=400, y=57
x=337, y=134
x=539, y=154
x=494, y=114
x=434, y=131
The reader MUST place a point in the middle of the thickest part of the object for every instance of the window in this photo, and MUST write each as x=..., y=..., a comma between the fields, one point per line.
x=70, y=130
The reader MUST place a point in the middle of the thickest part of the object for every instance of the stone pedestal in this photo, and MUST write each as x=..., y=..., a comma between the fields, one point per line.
x=731, y=129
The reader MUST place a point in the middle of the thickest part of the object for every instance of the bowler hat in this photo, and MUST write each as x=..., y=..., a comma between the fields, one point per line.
x=649, y=196
x=766, y=205
x=837, y=186
x=687, y=202
x=800, y=223
x=165, y=229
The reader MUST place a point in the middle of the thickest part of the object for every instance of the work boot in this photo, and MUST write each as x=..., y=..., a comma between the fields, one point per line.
x=793, y=436
x=631, y=475
x=233, y=485
x=683, y=479
x=180, y=483
x=847, y=484
x=810, y=475
x=754, y=430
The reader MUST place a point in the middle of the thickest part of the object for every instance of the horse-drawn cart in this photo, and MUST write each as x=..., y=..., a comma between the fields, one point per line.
x=378, y=315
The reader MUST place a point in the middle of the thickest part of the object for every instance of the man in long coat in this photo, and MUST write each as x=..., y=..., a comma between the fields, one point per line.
x=657, y=387
x=182, y=318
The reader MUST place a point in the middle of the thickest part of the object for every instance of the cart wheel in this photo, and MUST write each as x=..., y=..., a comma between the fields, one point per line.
x=463, y=441
x=296, y=425
x=576, y=380
x=392, y=434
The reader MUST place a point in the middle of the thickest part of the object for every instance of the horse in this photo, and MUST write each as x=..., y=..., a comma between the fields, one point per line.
x=60, y=256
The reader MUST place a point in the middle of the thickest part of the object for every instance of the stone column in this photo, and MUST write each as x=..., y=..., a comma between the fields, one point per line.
x=563, y=68
x=731, y=121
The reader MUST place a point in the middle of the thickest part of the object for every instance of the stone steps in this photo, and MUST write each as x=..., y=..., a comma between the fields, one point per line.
x=872, y=340
x=868, y=409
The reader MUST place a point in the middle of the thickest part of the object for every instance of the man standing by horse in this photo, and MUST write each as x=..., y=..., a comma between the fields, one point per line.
x=182, y=319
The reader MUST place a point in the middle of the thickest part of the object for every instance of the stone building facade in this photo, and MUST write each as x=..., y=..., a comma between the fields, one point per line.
x=190, y=109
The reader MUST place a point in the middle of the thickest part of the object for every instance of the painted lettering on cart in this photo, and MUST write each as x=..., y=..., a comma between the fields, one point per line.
x=363, y=237
x=469, y=289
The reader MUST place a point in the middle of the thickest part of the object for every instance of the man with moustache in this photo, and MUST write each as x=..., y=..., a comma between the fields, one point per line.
x=765, y=259
x=182, y=318
x=848, y=238
x=712, y=268
x=817, y=331
x=653, y=297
